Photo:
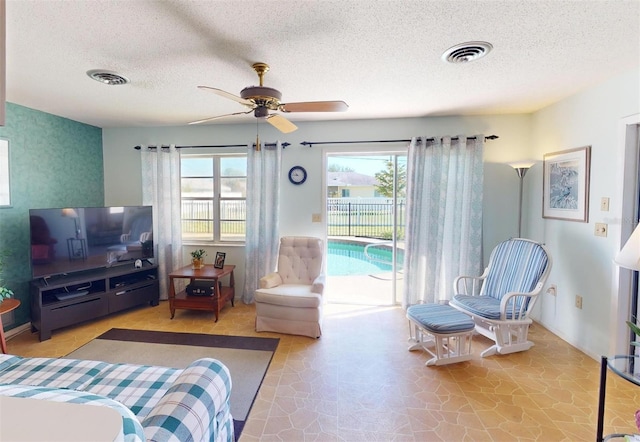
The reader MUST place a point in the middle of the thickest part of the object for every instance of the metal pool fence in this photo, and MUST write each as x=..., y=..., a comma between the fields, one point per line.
x=198, y=216
x=366, y=217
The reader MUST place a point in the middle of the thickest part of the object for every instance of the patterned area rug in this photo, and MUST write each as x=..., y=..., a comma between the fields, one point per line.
x=247, y=358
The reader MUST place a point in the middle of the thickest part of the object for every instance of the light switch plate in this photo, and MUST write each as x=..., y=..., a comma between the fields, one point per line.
x=604, y=204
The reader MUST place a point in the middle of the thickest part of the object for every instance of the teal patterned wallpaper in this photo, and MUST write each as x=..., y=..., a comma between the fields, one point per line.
x=54, y=162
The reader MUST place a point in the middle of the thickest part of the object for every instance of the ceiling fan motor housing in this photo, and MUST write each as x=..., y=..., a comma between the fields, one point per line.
x=262, y=95
x=261, y=99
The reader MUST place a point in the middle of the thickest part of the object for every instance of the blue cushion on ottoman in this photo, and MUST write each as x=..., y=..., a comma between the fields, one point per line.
x=440, y=318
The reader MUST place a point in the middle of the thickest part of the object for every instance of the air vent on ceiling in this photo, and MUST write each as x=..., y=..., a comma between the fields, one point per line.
x=107, y=77
x=466, y=52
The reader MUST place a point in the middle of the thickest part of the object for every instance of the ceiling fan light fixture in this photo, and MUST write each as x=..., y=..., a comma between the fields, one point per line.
x=467, y=52
x=107, y=77
x=261, y=112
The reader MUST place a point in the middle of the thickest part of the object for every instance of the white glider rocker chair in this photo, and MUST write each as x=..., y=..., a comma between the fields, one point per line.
x=289, y=300
x=501, y=299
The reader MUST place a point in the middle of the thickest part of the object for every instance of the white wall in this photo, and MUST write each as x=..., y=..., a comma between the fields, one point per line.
x=583, y=263
x=298, y=203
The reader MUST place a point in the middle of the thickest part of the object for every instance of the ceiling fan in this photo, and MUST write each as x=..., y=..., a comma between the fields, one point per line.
x=261, y=100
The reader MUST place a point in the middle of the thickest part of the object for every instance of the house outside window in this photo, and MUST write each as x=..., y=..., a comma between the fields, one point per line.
x=346, y=193
x=213, y=197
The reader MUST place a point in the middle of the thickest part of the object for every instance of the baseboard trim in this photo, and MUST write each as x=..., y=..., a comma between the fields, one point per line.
x=16, y=331
x=565, y=338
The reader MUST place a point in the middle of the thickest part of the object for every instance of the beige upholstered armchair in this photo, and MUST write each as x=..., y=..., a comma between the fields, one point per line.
x=289, y=300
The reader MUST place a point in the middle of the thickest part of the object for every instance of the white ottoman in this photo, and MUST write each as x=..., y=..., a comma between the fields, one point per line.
x=442, y=331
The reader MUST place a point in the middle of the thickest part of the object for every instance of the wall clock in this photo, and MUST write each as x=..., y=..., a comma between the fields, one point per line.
x=297, y=175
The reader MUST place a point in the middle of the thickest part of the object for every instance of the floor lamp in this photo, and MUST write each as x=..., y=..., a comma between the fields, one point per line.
x=72, y=213
x=629, y=258
x=521, y=169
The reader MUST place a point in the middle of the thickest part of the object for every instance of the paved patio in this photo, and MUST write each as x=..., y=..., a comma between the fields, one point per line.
x=374, y=289
x=362, y=289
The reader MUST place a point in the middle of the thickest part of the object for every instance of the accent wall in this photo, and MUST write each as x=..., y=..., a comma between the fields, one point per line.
x=54, y=162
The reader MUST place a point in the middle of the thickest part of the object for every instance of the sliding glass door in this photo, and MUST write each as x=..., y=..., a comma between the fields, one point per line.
x=365, y=215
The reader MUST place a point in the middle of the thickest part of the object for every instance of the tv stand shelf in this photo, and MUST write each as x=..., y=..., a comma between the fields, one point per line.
x=71, y=299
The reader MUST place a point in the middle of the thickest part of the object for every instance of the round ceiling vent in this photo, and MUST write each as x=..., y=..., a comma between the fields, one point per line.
x=107, y=77
x=466, y=52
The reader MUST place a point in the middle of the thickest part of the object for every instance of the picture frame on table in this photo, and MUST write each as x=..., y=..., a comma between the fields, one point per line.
x=218, y=263
x=565, y=185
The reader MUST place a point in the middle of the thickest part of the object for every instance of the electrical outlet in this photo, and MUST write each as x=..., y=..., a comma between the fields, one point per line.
x=316, y=218
x=601, y=229
x=579, y=301
x=552, y=290
x=604, y=204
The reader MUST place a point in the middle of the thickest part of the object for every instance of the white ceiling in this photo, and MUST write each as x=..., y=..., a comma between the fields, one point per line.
x=381, y=57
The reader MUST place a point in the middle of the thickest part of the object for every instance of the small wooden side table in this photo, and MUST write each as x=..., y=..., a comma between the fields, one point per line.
x=209, y=303
x=6, y=306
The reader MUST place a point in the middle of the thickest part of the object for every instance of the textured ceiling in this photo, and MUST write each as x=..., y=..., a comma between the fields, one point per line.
x=381, y=57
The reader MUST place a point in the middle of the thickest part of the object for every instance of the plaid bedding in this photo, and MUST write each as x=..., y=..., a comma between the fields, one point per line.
x=182, y=405
x=52, y=373
x=203, y=390
x=138, y=387
x=7, y=361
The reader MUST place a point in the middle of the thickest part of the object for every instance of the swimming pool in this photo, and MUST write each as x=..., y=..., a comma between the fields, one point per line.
x=348, y=258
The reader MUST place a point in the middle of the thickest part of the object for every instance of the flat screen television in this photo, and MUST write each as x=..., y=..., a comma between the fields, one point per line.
x=75, y=239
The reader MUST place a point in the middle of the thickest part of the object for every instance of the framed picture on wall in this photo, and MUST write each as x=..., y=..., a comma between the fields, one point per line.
x=565, y=185
x=5, y=185
x=219, y=261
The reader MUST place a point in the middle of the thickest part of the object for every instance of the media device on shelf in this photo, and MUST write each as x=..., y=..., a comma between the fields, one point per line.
x=76, y=239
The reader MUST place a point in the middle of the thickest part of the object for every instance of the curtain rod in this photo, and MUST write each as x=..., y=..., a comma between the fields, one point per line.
x=212, y=146
x=311, y=143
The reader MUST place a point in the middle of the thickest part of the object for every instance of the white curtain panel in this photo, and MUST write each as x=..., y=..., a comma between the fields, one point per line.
x=443, y=237
x=161, y=189
x=263, y=207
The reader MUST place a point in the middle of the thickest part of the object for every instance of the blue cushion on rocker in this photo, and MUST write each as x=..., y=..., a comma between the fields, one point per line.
x=484, y=306
x=515, y=266
x=440, y=318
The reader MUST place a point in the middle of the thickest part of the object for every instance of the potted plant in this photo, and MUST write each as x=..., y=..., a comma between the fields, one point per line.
x=5, y=293
x=634, y=328
x=197, y=258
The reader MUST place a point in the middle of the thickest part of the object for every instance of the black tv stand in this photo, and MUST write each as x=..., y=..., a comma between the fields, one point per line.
x=77, y=297
x=72, y=294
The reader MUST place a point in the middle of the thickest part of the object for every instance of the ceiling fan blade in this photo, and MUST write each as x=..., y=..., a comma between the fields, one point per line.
x=281, y=123
x=228, y=95
x=220, y=116
x=315, y=106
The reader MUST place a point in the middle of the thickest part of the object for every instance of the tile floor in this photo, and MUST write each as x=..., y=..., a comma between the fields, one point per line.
x=358, y=382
